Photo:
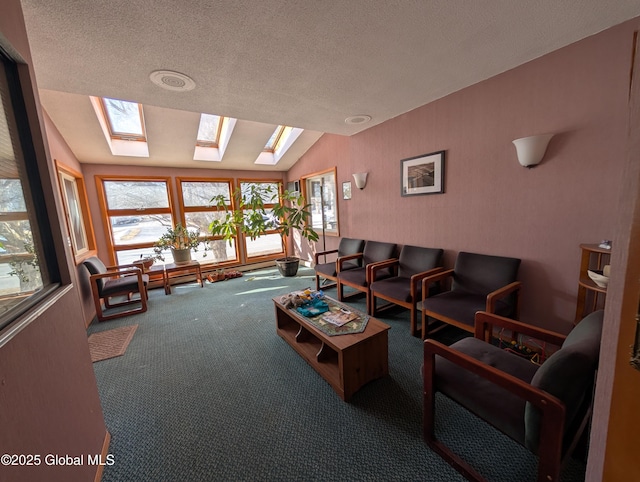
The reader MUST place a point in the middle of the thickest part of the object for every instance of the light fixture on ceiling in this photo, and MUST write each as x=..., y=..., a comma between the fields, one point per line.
x=170, y=80
x=357, y=119
x=361, y=179
x=531, y=149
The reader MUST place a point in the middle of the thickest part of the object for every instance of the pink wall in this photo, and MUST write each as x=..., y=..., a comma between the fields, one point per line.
x=48, y=394
x=493, y=205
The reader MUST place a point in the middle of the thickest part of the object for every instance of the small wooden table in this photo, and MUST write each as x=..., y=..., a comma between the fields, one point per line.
x=173, y=270
x=346, y=362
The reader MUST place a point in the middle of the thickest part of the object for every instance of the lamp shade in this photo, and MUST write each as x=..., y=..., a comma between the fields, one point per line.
x=361, y=179
x=531, y=149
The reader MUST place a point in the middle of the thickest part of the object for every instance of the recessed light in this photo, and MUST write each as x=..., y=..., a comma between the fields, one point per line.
x=357, y=119
x=170, y=80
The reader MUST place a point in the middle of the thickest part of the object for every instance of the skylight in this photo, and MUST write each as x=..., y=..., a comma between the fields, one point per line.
x=209, y=130
x=272, y=143
x=279, y=142
x=122, y=124
x=125, y=119
x=213, y=137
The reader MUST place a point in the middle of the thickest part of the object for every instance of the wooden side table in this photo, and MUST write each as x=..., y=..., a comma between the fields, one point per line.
x=590, y=296
x=173, y=270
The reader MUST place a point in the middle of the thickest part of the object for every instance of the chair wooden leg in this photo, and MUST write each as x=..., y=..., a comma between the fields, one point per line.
x=340, y=296
x=412, y=325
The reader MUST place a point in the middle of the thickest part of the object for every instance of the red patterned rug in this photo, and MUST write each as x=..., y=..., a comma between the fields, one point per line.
x=110, y=343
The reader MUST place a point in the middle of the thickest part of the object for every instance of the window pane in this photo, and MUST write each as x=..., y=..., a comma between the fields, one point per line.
x=268, y=197
x=124, y=117
x=131, y=255
x=139, y=229
x=11, y=197
x=208, y=129
x=200, y=193
x=20, y=272
x=264, y=245
x=219, y=251
x=321, y=191
x=202, y=220
x=136, y=194
x=74, y=213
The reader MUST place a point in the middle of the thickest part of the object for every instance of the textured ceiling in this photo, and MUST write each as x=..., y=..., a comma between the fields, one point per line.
x=307, y=64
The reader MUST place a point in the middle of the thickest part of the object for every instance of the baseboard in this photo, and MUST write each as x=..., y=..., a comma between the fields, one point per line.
x=103, y=456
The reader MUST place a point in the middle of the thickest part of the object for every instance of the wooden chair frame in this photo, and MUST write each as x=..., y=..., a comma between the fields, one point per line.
x=316, y=261
x=490, y=306
x=415, y=281
x=364, y=289
x=550, y=451
x=113, y=272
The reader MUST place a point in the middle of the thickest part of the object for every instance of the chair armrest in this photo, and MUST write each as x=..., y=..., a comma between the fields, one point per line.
x=316, y=256
x=113, y=274
x=545, y=402
x=494, y=296
x=418, y=277
x=441, y=275
x=348, y=257
x=485, y=322
x=122, y=266
x=372, y=268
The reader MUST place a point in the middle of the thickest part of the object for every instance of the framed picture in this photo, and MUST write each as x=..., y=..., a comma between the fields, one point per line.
x=346, y=190
x=422, y=174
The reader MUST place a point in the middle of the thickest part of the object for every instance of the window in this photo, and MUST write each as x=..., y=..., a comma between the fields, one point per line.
x=28, y=267
x=209, y=130
x=280, y=141
x=122, y=124
x=271, y=144
x=320, y=192
x=213, y=137
x=76, y=210
x=137, y=213
x=270, y=243
x=125, y=119
x=195, y=197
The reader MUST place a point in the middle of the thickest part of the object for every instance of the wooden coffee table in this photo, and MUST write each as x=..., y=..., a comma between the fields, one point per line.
x=347, y=362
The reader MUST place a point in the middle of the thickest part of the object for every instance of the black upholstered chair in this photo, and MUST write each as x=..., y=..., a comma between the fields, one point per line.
x=327, y=270
x=405, y=287
x=373, y=252
x=544, y=408
x=478, y=282
x=110, y=281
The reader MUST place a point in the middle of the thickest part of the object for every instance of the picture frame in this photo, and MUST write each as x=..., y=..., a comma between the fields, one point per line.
x=422, y=174
x=346, y=190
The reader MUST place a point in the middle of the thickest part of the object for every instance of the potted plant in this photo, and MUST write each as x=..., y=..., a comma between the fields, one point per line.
x=250, y=217
x=180, y=241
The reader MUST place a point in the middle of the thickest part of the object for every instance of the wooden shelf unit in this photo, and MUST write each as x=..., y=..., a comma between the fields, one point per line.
x=590, y=296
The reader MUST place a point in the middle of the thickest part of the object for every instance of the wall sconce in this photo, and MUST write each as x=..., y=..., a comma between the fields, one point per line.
x=361, y=179
x=531, y=150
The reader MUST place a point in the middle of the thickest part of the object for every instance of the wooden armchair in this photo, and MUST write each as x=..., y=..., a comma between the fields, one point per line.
x=404, y=288
x=544, y=408
x=478, y=282
x=356, y=278
x=327, y=270
x=122, y=280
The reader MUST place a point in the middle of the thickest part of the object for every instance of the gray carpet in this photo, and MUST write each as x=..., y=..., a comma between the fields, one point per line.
x=208, y=391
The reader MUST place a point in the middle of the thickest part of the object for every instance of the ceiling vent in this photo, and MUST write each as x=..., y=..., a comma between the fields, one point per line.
x=170, y=80
x=357, y=119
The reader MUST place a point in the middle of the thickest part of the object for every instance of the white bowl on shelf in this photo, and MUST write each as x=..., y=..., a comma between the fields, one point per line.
x=598, y=278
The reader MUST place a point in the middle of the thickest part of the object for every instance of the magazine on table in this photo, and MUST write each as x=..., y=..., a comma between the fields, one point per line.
x=340, y=318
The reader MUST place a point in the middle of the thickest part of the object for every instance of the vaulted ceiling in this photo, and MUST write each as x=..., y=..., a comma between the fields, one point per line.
x=307, y=64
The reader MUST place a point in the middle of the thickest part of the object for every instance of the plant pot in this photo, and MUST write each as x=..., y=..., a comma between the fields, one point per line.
x=288, y=266
x=181, y=256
